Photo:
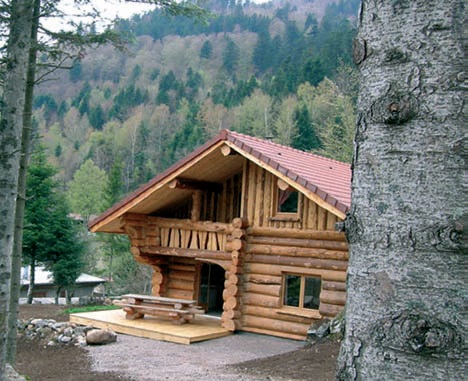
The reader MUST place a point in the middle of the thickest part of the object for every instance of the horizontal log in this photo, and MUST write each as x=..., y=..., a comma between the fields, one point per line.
x=189, y=268
x=274, y=333
x=206, y=226
x=297, y=242
x=277, y=270
x=263, y=279
x=231, y=314
x=272, y=313
x=293, y=251
x=179, y=294
x=232, y=325
x=225, y=264
x=182, y=275
x=235, y=245
x=152, y=241
x=180, y=284
x=328, y=264
x=274, y=325
x=333, y=286
x=297, y=233
x=135, y=219
x=333, y=297
x=264, y=289
x=261, y=300
x=187, y=253
x=330, y=310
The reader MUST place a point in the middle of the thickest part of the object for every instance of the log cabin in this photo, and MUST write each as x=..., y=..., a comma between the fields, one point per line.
x=246, y=227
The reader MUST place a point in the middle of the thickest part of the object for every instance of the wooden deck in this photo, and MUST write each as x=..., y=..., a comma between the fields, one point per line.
x=201, y=328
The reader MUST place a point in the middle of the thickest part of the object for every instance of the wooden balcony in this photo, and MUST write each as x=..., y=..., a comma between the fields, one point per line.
x=186, y=234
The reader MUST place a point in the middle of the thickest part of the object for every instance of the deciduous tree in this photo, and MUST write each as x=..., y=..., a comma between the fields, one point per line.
x=407, y=269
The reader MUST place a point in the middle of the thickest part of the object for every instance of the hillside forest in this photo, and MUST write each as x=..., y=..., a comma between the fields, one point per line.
x=278, y=70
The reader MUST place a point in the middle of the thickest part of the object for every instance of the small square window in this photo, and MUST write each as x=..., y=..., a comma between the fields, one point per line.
x=288, y=201
x=302, y=291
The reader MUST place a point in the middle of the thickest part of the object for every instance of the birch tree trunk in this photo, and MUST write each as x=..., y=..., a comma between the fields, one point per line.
x=405, y=228
x=11, y=124
x=21, y=200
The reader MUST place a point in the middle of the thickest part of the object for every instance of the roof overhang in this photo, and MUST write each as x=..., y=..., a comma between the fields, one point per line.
x=208, y=169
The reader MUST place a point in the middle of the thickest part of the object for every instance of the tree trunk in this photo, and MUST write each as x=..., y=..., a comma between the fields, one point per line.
x=32, y=281
x=10, y=147
x=20, y=202
x=405, y=228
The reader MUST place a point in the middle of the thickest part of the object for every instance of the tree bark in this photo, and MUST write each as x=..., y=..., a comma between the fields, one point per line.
x=32, y=281
x=10, y=146
x=405, y=228
x=20, y=202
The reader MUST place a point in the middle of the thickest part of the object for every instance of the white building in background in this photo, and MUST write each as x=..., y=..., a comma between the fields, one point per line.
x=44, y=286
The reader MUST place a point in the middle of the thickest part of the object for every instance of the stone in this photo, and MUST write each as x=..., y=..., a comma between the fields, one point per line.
x=64, y=339
x=100, y=337
x=318, y=330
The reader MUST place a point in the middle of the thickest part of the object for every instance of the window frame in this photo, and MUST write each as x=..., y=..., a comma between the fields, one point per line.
x=300, y=310
x=279, y=186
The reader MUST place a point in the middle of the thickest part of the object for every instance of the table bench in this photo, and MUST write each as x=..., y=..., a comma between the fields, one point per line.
x=180, y=311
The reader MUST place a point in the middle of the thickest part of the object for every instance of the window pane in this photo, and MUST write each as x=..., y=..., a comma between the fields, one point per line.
x=312, y=290
x=292, y=289
x=288, y=201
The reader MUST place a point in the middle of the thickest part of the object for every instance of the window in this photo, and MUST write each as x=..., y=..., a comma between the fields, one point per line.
x=287, y=201
x=302, y=291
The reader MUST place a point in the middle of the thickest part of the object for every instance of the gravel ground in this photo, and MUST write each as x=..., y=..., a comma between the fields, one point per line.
x=150, y=360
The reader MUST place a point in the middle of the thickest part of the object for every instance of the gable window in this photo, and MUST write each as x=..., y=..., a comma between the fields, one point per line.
x=301, y=291
x=286, y=202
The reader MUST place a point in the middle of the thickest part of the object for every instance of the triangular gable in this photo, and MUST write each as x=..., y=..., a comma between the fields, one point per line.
x=327, y=182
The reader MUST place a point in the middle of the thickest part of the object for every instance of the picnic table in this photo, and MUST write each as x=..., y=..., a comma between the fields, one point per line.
x=179, y=310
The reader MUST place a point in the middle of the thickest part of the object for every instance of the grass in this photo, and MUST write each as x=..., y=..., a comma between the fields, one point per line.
x=76, y=310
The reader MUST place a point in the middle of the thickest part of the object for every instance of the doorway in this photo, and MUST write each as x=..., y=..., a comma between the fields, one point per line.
x=210, y=295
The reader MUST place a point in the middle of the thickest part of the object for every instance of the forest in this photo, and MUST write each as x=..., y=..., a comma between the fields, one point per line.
x=116, y=118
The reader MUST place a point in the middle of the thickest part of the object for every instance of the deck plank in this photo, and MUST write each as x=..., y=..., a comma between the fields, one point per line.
x=201, y=328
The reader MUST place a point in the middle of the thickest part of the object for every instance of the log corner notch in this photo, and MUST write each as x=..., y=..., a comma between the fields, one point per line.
x=227, y=151
x=233, y=284
x=141, y=235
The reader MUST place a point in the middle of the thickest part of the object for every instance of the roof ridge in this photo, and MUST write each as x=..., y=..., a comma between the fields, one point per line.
x=234, y=133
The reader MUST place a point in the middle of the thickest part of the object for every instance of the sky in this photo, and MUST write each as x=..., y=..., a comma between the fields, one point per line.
x=109, y=9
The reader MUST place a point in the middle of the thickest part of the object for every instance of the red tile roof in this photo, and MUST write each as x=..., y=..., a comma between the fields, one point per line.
x=328, y=179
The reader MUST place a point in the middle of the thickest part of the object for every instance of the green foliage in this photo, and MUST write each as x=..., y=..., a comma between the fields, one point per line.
x=50, y=236
x=77, y=310
x=206, y=50
x=231, y=57
x=86, y=190
x=306, y=138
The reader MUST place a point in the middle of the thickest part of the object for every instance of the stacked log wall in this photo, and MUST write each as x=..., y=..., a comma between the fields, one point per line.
x=181, y=278
x=270, y=253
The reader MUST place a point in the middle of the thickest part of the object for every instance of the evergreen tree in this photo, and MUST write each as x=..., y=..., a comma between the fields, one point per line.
x=50, y=236
x=306, y=139
x=206, y=50
x=231, y=57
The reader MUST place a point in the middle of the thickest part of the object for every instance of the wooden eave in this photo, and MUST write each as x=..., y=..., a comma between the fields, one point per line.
x=202, y=166
x=208, y=165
